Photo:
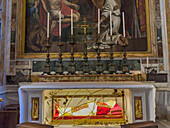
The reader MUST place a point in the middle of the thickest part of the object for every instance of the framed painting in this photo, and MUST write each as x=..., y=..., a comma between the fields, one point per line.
x=139, y=27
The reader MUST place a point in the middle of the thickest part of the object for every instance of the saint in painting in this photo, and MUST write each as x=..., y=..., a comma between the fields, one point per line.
x=85, y=12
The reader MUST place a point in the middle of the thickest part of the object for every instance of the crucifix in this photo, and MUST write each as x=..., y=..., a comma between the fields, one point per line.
x=85, y=64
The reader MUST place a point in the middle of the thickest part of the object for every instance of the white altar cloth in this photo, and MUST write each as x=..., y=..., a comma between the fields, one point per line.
x=36, y=89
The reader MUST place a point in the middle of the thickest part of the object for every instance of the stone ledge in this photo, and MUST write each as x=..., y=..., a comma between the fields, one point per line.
x=162, y=86
x=12, y=88
x=90, y=78
x=2, y=90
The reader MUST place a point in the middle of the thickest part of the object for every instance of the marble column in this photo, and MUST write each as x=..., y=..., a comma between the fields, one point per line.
x=3, y=24
x=167, y=5
x=5, y=39
x=164, y=34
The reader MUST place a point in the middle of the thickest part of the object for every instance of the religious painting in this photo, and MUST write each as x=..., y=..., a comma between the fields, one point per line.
x=138, y=108
x=35, y=109
x=93, y=20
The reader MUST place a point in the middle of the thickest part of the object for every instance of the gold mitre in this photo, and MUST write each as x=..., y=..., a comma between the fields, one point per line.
x=98, y=3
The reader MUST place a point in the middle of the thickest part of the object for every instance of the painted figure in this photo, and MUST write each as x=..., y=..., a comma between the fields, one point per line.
x=54, y=6
x=115, y=7
x=33, y=11
x=135, y=18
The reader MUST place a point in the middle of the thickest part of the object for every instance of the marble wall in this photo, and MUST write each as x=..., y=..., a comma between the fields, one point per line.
x=3, y=25
x=163, y=104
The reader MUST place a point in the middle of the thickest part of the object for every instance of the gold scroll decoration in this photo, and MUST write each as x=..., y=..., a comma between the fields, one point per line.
x=35, y=109
x=138, y=108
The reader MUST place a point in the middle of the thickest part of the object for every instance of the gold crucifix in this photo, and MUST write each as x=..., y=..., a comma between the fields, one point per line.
x=84, y=26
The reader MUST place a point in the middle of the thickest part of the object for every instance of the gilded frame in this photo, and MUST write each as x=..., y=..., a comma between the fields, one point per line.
x=21, y=27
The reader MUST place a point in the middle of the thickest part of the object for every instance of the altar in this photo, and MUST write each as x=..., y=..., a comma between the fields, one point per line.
x=64, y=103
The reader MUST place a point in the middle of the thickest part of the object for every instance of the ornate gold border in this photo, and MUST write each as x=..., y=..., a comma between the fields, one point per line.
x=20, y=36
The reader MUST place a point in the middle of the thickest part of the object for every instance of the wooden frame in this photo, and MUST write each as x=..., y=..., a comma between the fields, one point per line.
x=151, y=36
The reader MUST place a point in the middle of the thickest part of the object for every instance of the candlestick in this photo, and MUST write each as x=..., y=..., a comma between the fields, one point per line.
x=123, y=18
x=110, y=23
x=112, y=68
x=98, y=21
x=71, y=21
x=29, y=64
x=99, y=65
x=147, y=62
x=72, y=68
x=60, y=67
x=47, y=67
x=48, y=17
x=59, y=23
x=125, y=66
x=29, y=77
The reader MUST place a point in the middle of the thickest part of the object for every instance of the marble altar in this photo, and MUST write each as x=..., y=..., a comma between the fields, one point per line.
x=146, y=91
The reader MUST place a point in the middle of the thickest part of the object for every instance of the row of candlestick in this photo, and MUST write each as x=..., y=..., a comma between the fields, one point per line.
x=111, y=22
x=85, y=68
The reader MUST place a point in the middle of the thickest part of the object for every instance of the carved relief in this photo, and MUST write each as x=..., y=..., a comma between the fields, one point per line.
x=138, y=108
x=35, y=109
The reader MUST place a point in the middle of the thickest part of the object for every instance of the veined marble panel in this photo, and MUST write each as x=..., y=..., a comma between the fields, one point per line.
x=134, y=65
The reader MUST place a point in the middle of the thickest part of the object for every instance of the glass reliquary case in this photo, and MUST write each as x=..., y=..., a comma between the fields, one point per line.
x=84, y=107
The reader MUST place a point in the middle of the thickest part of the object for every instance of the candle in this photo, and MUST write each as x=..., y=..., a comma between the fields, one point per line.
x=48, y=15
x=98, y=21
x=123, y=18
x=147, y=62
x=71, y=21
x=59, y=23
x=29, y=64
x=110, y=22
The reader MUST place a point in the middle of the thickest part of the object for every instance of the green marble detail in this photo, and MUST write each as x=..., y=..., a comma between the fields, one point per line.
x=134, y=65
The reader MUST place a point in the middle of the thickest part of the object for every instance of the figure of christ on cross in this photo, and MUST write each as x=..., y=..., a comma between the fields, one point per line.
x=54, y=6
